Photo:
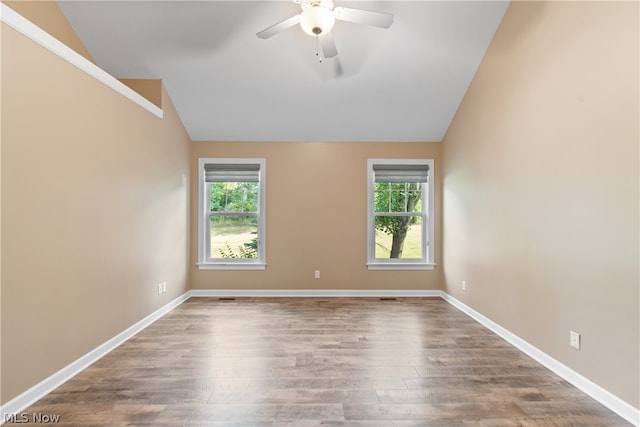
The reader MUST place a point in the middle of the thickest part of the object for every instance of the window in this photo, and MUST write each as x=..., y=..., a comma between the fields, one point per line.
x=400, y=214
x=231, y=214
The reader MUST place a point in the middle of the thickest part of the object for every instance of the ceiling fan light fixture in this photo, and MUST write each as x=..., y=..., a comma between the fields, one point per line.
x=317, y=20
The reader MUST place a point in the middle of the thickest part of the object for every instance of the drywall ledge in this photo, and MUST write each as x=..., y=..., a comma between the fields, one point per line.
x=44, y=39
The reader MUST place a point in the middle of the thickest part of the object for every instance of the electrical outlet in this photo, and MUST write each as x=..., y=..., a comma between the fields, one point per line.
x=159, y=288
x=317, y=274
x=574, y=340
x=464, y=285
x=164, y=287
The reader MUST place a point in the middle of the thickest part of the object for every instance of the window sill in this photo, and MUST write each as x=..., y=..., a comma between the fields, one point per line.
x=399, y=266
x=231, y=266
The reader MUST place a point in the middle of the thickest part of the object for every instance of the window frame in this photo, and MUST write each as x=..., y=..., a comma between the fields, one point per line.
x=427, y=262
x=205, y=261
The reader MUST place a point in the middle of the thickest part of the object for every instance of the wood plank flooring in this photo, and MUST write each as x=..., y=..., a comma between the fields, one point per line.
x=333, y=362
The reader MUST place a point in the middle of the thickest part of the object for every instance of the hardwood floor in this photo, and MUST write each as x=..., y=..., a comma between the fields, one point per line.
x=332, y=362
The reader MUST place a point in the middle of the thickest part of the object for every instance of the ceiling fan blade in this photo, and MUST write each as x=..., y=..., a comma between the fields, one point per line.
x=367, y=17
x=329, y=49
x=280, y=26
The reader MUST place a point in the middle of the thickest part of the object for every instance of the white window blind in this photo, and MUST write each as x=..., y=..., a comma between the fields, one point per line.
x=229, y=172
x=400, y=173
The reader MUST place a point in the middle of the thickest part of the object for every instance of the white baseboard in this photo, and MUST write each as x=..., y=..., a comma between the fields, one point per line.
x=309, y=293
x=601, y=395
x=37, y=392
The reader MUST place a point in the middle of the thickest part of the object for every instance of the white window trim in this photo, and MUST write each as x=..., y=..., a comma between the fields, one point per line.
x=203, y=237
x=373, y=263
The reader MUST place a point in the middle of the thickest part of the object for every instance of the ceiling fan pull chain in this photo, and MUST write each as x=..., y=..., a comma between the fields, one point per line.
x=318, y=49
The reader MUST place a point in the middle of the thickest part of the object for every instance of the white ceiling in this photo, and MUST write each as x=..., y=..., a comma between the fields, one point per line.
x=400, y=84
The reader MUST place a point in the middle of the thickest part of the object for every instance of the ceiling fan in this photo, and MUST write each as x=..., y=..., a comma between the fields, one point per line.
x=318, y=17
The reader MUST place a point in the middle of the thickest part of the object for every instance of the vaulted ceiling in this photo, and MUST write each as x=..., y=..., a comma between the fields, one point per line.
x=404, y=83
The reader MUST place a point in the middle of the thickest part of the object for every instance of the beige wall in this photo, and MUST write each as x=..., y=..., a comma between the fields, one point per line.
x=151, y=89
x=541, y=186
x=94, y=212
x=316, y=217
